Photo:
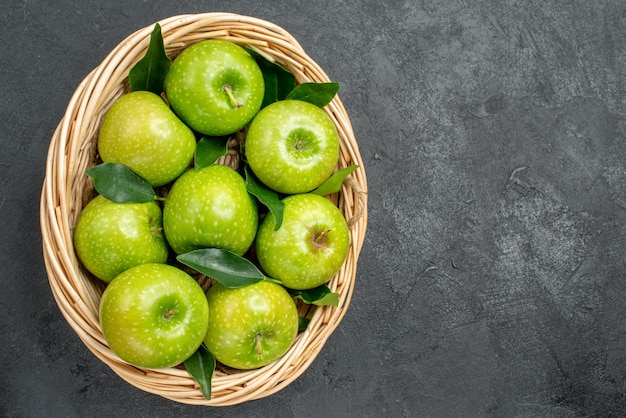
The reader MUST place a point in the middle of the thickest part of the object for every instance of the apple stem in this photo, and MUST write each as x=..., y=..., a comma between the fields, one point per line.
x=169, y=314
x=319, y=238
x=257, y=340
x=299, y=144
x=229, y=92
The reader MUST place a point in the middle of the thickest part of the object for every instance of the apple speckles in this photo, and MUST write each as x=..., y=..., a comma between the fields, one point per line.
x=111, y=237
x=210, y=208
x=140, y=130
x=245, y=320
x=194, y=87
x=291, y=254
x=292, y=146
x=132, y=309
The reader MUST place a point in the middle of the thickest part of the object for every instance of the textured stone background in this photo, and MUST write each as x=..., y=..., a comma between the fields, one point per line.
x=492, y=278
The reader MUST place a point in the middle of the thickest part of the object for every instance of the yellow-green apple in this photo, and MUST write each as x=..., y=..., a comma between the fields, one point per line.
x=154, y=315
x=292, y=146
x=111, y=237
x=250, y=326
x=310, y=246
x=215, y=86
x=210, y=207
x=141, y=131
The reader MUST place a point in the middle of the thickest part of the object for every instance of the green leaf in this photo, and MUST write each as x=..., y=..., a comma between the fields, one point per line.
x=334, y=182
x=320, y=296
x=266, y=196
x=271, y=88
x=209, y=150
x=117, y=182
x=228, y=268
x=201, y=366
x=320, y=94
x=303, y=322
x=278, y=80
x=149, y=72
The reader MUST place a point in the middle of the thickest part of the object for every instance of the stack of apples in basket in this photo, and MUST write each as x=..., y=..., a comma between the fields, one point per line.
x=204, y=262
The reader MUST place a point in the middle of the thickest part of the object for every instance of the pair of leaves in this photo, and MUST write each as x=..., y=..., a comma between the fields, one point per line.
x=272, y=200
x=280, y=84
x=119, y=183
x=233, y=271
x=210, y=149
x=149, y=74
x=201, y=364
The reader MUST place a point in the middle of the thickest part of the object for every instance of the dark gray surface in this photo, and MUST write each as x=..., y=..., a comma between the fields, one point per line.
x=491, y=282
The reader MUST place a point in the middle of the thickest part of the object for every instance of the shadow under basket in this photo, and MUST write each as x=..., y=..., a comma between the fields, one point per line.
x=66, y=190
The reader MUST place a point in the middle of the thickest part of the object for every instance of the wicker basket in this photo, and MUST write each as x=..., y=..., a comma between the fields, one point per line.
x=73, y=149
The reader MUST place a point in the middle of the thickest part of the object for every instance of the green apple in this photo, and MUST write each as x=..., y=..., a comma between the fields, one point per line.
x=309, y=247
x=111, y=237
x=215, y=87
x=210, y=207
x=250, y=326
x=154, y=315
x=141, y=131
x=292, y=146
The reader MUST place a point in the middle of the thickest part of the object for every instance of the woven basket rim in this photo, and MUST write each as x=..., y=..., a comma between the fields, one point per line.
x=72, y=150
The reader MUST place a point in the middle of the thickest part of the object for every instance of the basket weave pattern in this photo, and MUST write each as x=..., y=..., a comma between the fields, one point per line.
x=67, y=189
